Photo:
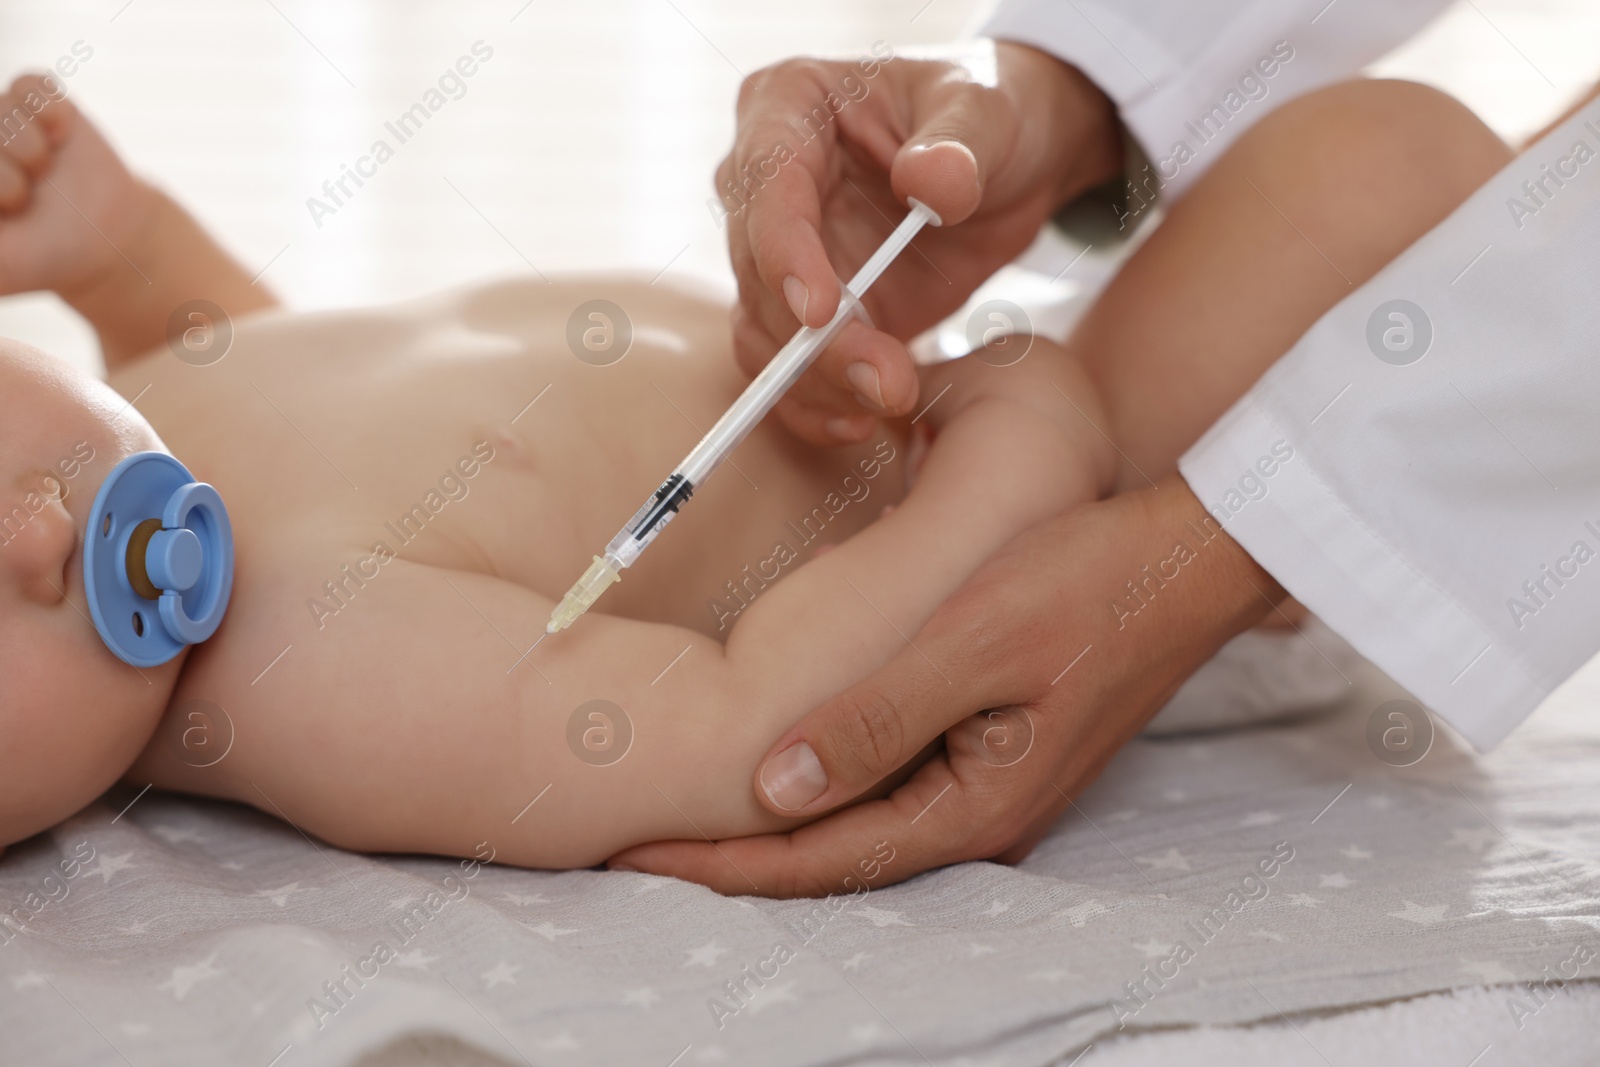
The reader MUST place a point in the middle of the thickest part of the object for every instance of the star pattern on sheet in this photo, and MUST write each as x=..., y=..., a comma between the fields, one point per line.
x=977, y=949
x=502, y=973
x=549, y=931
x=1054, y=975
x=880, y=918
x=188, y=975
x=996, y=909
x=523, y=900
x=854, y=962
x=1303, y=900
x=177, y=835
x=1355, y=852
x=705, y=956
x=110, y=865
x=644, y=997
x=1336, y=880
x=29, y=980
x=1260, y=818
x=772, y=994
x=415, y=960
x=280, y=896
x=1078, y=914
x=1422, y=916
x=865, y=1033
x=1474, y=839
x=561, y=1042
x=1170, y=860
x=1151, y=947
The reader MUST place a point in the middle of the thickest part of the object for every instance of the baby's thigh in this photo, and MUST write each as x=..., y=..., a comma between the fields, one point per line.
x=439, y=718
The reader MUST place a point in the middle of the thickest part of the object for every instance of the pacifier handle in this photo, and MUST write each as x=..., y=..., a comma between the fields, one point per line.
x=196, y=504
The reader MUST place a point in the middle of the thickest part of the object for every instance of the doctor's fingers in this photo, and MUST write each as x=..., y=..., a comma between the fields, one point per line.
x=820, y=410
x=951, y=810
x=976, y=652
x=929, y=126
x=772, y=186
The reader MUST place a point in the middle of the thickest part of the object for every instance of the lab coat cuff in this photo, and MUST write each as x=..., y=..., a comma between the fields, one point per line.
x=1335, y=560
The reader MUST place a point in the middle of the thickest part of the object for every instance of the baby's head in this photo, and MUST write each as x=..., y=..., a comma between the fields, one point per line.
x=73, y=717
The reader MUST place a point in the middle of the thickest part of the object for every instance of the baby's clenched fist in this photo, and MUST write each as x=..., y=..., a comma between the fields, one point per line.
x=68, y=205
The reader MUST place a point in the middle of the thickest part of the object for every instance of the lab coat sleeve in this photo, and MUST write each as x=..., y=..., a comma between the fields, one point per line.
x=1189, y=76
x=1422, y=469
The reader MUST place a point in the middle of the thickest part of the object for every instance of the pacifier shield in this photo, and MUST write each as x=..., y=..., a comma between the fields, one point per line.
x=157, y=559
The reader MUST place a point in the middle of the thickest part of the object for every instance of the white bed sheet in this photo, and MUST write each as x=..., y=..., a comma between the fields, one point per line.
x=1450, y=1029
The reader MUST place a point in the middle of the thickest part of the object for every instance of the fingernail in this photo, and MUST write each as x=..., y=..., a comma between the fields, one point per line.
x=953, y=143
x=623, y=867
x=799, y=298
x=793, y=778
x=864, y=376
x=841, y=427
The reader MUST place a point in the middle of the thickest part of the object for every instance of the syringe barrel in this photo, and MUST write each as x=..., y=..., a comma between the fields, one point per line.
x=762, y=394
x=758, y=399
x=793, y=358
x=648, y=521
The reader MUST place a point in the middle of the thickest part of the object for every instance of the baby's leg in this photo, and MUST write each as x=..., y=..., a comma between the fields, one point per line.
x=1304, y=208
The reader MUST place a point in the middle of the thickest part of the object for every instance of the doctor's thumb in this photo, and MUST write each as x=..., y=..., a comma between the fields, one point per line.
x=858, y=737
x=942, y=172
x=960, y=137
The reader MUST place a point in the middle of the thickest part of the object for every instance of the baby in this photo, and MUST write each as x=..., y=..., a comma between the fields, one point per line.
x=411, y=489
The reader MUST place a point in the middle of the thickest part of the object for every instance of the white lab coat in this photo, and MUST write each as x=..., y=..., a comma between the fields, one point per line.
x=1441, y=507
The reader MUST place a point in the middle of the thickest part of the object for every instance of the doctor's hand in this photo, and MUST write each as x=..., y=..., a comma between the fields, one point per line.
x=1047, y=633
x=994, y=139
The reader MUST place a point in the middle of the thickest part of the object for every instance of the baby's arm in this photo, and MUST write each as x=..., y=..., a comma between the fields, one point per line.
x=75, y=221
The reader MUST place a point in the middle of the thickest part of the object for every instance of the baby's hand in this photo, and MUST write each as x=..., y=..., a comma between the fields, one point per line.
x=69, y=208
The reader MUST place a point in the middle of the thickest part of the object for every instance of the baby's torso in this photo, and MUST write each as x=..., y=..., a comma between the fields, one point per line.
x=463, y=432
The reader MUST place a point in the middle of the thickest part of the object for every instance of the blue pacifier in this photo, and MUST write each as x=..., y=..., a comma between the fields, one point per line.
x=157, y=559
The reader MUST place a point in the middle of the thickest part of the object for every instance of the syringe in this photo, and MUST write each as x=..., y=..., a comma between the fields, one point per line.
x=737, y=422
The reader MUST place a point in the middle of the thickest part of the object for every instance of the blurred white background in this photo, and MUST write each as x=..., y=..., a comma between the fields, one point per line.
x=586, y=142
